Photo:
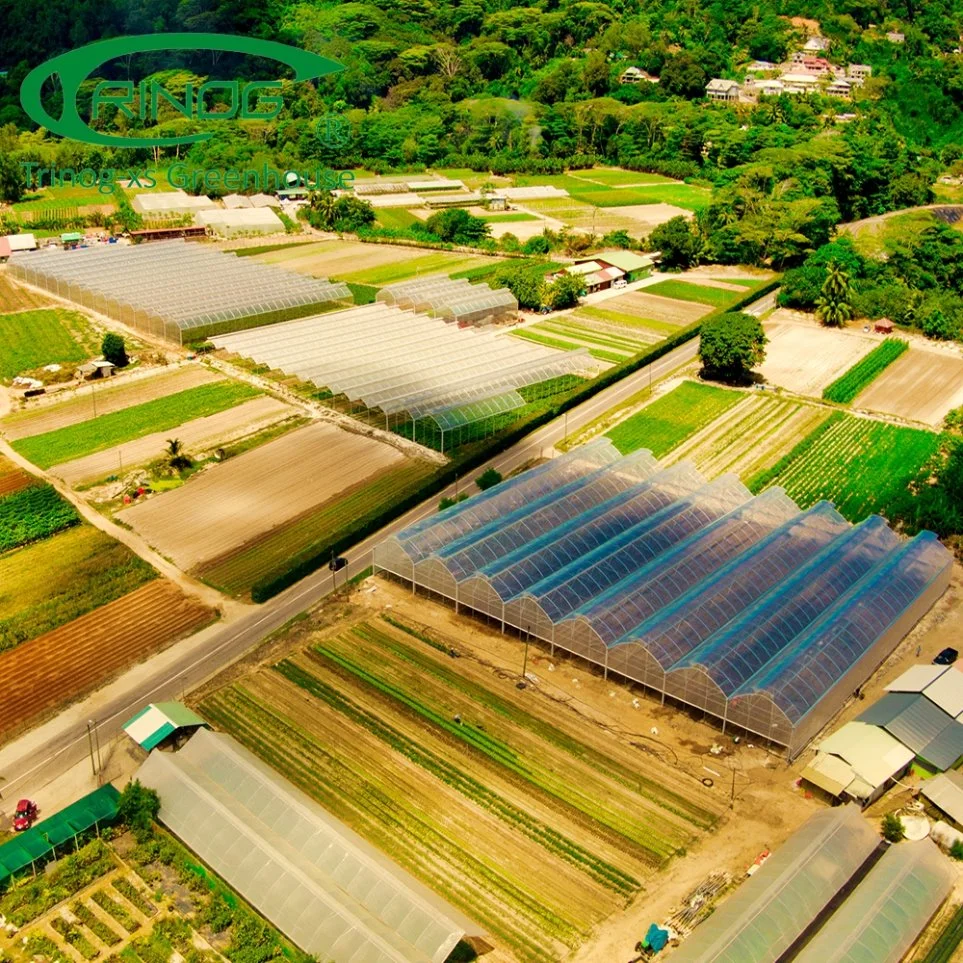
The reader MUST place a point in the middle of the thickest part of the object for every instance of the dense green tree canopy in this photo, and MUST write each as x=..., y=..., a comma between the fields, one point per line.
x=731, y=345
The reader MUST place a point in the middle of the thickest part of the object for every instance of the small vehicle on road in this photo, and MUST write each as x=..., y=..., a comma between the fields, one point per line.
x=947, y=657
x=25, y=815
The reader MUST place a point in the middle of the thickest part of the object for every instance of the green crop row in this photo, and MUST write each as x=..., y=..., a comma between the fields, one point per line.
x=134, y=896
x=75, y=938
x=946, y=943
x=551, y=839
x=116, y=911
x=117, y=427
x=387, y=820
x=844, y=389
x=669, y=420
x=32, y=514
x=94, y=923
x=765, y=478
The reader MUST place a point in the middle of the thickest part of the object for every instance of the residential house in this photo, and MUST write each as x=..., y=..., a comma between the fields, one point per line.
x=633, y=266
x=858, y=73
x=718, y=89
x=635, y=75
x=840, y=88
x=768, y=88
x=760, y=67
x=800, y=83
x=817, y=65
x=816, y=45
x=894, y=36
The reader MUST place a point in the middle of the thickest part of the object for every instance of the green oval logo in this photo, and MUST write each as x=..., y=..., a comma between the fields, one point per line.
x=74, y=68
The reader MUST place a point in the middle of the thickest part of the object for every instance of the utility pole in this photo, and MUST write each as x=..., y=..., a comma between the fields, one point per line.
x=90, y=748
x=528, y=635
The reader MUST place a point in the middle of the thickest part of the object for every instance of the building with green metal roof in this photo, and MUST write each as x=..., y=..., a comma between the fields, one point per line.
x=155, y=722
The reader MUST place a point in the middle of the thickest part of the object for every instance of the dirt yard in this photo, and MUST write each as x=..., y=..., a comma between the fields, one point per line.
x=231, y=503
x=639, y=218
x=198, y=437
x=804, y=357
x=657, y=308
x=921, y=385
x=71, y=408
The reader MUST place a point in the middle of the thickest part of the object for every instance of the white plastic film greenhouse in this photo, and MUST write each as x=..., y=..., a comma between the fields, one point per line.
x=407, y=366
x=454, y=300
x=763, y=616
x=324, y=887
x=176, y=290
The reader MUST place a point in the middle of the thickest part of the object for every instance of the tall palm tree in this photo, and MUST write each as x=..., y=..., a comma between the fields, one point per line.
x=833, y=307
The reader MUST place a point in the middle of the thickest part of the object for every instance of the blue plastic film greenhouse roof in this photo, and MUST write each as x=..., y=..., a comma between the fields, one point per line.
x=743, y=606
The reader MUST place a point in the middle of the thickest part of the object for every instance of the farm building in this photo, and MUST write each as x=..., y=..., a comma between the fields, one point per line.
x=160, y=721
x=631, y=265
x=235, y=201
x=175, y=290
x=167, y=233
x=945, y=792
x=883, y=326
x=859, y=762
x=463, y=199
x=764, y=617
x=409, y=367
x=170, y=204
x=5, y=251
x=324, y=887
x=21, y=242
x=242, y=220
x=884, y=899
x=934, y=736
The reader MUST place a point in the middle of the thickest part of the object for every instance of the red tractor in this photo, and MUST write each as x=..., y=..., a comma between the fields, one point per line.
x=25, y=815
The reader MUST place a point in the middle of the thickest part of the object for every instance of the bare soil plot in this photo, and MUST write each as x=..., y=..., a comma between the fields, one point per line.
x=197, y=436
x=236, y=501
x=79, y=407
x=639, y=218
x=804, y=357
x=12, y=477
x=658, y=308
x=921, y=386
x=13, y=297
x=68, y=662
x=335, y=258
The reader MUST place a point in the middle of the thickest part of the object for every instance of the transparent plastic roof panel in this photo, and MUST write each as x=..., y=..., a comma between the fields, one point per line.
x=324, y=887
x=185, y=286
x=745, y=607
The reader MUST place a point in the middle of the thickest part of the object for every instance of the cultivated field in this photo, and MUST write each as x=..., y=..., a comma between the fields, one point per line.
x=13, y=297
x=74, y=659
x=804, y=357
x=106, y=431
x=31, y=339
x=71, y=408
x=716, y=294
x=12, y=478
x=669, y=420
x=232, y=503
x=313, y=532
x=533, y=821
x=46, y=584
x=369, y=263
x=857, y=464
x=665, y=310
x=749, y=437
x=605, y=342
x=32, y=513
x=922, y=385
x=198, y=436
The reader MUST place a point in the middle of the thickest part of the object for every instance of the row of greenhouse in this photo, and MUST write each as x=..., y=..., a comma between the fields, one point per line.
x=762, y=616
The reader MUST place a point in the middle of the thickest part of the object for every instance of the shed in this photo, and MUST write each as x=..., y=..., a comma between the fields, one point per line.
x=884, y=326
x=39, y=842
x=946, y=691
x=633, y=266
x=22, y=242
x=71, y=239
x=921, y=725
x=154, y=723
x=97, y=369
x=916, y=678
x=945, y=791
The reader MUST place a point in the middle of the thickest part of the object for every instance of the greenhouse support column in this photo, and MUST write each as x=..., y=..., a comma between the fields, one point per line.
x=503, y=618
x=605, y=669
x=552, y=641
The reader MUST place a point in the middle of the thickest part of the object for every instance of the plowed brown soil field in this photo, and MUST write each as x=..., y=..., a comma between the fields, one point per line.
x=234, y=502
x=48, y=416
x=12, y=478
x=69, y=662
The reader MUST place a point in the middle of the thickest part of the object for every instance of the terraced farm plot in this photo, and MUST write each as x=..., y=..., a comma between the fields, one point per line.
x=239, y=500
x=47, y=584
x=31, y=339
x=67, y=663
x=312, y=533
x=749, y=437
x=804, y=357
x=129, y=424
x=669, y=420
x=126, y=392
x=534, y=824
x=13, y=297
x=857, y=464
x=662, y=310
x=920, y=386
x=198, y=436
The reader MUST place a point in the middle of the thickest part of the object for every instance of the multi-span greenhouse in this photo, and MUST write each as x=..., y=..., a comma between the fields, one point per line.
x=454, y=300
x=409, y=367
x=761, y=615
x=176, y=290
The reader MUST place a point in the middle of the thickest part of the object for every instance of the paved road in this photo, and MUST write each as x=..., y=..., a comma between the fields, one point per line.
x=28, y=764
